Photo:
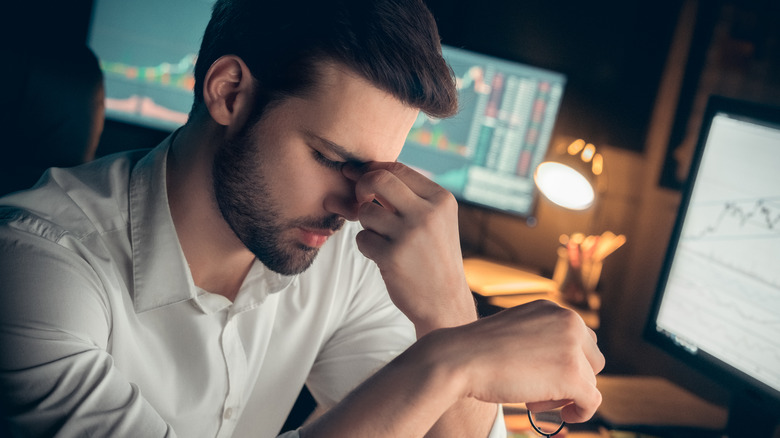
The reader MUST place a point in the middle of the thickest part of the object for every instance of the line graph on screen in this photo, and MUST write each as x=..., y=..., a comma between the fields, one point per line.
x=725, y=281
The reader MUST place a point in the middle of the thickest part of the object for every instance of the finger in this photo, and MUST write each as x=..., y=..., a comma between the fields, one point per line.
x=418, y=183
x=592, y=360
x=380, y=219
x=597, y=360
x=354, y=171
x=593, y=335
x=545, y=406
x=584, y=405
x=372, y=245
x=388, y=189
x=377, y=177
x=593, y=353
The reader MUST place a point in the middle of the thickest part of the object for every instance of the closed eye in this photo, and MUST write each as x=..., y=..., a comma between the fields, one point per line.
x=322, y=159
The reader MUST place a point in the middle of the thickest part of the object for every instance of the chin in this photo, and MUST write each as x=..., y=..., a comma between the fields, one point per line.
x=293, y=262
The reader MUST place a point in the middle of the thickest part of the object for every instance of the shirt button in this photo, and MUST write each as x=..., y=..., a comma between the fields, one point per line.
x=228, y=413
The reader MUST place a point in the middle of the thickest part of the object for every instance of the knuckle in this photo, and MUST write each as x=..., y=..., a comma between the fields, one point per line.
x=570, y=326
x=428, y=217
x=601, y=362
x=445, y=200
x=441, y=208
x=569, y=362
x=570, y=320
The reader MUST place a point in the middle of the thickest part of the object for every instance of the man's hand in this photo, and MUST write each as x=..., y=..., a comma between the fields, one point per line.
x=411, y=233
x=538, y=353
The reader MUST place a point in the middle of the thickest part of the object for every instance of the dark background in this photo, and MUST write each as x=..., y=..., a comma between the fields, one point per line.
x=612, y=52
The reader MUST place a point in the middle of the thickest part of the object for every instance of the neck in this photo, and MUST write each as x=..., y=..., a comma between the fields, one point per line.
x=218, y=260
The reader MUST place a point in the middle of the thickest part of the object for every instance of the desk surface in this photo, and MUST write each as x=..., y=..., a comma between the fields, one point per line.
x=630, y=401
x=634, y=403
x=489, y=278
x=507, y=286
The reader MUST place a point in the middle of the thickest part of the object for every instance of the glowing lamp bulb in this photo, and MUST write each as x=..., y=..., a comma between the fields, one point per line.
x=564, y=186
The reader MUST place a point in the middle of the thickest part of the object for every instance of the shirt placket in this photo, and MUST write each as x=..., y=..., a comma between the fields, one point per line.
x=236, y=366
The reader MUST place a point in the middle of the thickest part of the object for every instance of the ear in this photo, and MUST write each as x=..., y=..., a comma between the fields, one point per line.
x=228, y=91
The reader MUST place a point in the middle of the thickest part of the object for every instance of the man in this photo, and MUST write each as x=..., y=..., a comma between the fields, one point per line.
x=193, y=289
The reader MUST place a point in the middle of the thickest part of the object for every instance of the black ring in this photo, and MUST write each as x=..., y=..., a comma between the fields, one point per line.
x=539, y=431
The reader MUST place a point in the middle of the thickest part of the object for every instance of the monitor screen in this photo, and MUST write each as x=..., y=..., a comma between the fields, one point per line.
x=487, y=153
x=147, y=51
x=718, y=300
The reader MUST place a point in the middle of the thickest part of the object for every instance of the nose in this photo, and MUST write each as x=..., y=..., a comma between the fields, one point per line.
x=340, y=199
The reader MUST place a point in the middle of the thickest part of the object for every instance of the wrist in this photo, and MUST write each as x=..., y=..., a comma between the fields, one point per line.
x=460, y=310
x=442, y=364
x=447, y=379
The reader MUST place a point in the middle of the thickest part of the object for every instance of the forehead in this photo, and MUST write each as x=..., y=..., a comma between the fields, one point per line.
x=349, y=111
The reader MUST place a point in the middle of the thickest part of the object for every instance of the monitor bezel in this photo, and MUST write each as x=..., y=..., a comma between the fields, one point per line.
x=738, y=382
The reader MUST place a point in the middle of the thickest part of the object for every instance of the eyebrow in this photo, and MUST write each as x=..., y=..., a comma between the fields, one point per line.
x=336, y=148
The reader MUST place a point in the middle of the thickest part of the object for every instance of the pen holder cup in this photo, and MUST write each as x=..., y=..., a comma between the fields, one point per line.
x=577, y=281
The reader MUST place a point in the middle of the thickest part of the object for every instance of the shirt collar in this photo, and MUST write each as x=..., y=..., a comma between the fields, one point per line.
x=160, y=272
x=161, y=275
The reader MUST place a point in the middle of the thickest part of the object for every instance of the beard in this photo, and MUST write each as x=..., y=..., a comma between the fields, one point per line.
x=245, y=200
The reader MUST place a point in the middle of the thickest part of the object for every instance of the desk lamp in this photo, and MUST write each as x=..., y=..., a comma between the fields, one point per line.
x=569, y=178
x=563, y=185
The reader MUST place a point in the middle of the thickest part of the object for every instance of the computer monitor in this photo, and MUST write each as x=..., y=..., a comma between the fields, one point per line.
x=147, y=51
x=486, y=155
x=717, y=305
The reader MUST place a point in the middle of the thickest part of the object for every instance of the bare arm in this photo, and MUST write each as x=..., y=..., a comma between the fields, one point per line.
x=413, y=237
x=538, y=353
x=449, y=382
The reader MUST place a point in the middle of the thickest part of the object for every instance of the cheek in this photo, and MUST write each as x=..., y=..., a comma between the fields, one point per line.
x=301, y=189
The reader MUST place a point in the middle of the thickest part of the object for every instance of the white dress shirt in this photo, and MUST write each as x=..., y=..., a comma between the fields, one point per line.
x=103, y=332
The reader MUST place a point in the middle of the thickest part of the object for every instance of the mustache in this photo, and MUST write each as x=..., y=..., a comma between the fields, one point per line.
x=333, y=223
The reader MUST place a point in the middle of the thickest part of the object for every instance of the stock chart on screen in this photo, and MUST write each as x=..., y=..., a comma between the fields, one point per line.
x=487, y=153
x=147, y=50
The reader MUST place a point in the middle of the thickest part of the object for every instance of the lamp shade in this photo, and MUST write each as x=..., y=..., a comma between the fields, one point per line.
x=564, y=186
x=571, y=174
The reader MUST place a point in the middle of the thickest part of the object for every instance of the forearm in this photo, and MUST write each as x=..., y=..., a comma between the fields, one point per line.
x=468, y=417
x=419, y=393
x=405, y=398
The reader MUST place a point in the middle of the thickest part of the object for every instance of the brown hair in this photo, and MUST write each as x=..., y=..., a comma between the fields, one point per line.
x=394, y=44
